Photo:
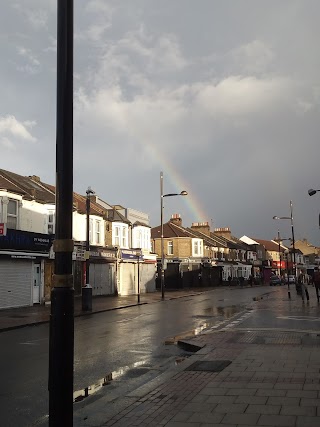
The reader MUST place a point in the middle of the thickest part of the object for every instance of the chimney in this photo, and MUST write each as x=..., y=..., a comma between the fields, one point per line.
x=176, y=219
x=203, y=227
x=35, y=178
x=223, y=231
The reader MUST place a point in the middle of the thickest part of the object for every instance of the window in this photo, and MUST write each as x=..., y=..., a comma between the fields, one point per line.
x=12, y=214
x=139, y=239
x=51, y=222
x=97, y=232
x=170, y=247
x=124, y=237
x=197, y=248
x=117, y=236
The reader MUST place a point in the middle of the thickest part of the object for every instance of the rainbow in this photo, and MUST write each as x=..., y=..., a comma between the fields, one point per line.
x=193, y=203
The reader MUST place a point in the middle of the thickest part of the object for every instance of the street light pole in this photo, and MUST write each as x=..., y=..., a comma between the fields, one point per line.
x=87, y=289
x=279, y=253
x=183, y=193
x=138, y=278
x=162, y=243
x=293, y=243
x=287, y=254
x=61, y=341
x=293, y=240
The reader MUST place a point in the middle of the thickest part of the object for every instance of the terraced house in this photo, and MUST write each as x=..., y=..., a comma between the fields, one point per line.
x=119, y=244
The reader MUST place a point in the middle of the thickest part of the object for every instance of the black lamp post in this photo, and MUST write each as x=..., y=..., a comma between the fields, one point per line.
x=293, y=241
x=61, y=341
x=183, y=193
x=279, y=250
x=138, y=253
x=279, y=239
x=87, y=289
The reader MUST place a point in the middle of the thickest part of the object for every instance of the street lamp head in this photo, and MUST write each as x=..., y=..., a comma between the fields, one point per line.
x=89, y=191
x=311, y=192
x=275, y=217
x=183, y=193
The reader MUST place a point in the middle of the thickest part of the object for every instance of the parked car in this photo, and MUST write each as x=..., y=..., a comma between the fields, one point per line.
x=274, y=280
x=292, y=278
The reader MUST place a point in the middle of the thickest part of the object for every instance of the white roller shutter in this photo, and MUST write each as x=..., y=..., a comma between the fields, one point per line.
x=147, y=278
x=15, y=283
x=127, y=278
x=101, y=279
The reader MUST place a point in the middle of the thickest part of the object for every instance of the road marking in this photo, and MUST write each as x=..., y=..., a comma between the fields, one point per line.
x=308, y=318
x=33, y=342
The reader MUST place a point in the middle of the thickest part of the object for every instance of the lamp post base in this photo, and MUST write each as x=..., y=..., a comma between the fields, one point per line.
x=86, y=298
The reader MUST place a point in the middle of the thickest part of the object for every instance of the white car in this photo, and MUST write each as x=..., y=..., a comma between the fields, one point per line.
x=291, y=278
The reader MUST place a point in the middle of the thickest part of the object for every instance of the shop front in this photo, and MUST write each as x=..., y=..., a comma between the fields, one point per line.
x=102, y=270
x=137, y=272
x=22, y=257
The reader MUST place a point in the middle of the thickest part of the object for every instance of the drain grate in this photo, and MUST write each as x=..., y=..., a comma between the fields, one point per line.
x=209, y=365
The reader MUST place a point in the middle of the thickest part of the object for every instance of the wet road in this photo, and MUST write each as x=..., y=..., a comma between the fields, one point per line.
x=115, y=341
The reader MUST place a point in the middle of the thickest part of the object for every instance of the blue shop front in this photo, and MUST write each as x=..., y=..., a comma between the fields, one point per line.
x=22, y=256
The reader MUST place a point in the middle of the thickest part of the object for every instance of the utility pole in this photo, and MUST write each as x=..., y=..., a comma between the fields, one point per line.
x=61, y=343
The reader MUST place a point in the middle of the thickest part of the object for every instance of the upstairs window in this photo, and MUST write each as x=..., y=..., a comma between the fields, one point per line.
x=97, y=232
x=51, y=222
x=170, y=247
x=197, y=248
x=12, y=214
x=124, y=237
x=116, y=236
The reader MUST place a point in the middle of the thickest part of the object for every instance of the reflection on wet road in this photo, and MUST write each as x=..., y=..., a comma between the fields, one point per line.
x=128, y=344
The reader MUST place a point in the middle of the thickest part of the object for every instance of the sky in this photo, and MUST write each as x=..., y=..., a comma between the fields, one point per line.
x=222, y=96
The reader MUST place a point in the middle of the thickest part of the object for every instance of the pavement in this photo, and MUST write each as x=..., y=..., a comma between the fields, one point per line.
x=236, y=376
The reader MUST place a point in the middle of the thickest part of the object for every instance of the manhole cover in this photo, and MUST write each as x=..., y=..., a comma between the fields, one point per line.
x=209, y=366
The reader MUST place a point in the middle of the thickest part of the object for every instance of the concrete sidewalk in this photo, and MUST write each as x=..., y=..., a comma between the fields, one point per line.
x=237, y=378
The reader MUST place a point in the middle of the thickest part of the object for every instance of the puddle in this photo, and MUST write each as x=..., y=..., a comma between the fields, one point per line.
x=224, y=312
x=214, y=315
x=79, y=395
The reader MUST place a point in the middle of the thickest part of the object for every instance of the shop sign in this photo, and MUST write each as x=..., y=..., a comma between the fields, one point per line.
x=131, y=254
x=102, y=253
x=25, y=241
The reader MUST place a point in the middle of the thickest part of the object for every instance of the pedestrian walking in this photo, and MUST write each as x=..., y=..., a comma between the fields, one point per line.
x=316, y=281
x=303, y=280
x=229, y=280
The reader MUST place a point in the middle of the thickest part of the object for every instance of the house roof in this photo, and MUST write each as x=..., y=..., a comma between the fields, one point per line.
x=269, y=245
x=30, y=187
x=142, y=224
x=81, y=205
x=114, y=215
x=169, y=230
x=6, y=184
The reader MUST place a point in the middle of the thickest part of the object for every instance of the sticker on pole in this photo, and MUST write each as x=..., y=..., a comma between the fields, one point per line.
x=3, y=229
